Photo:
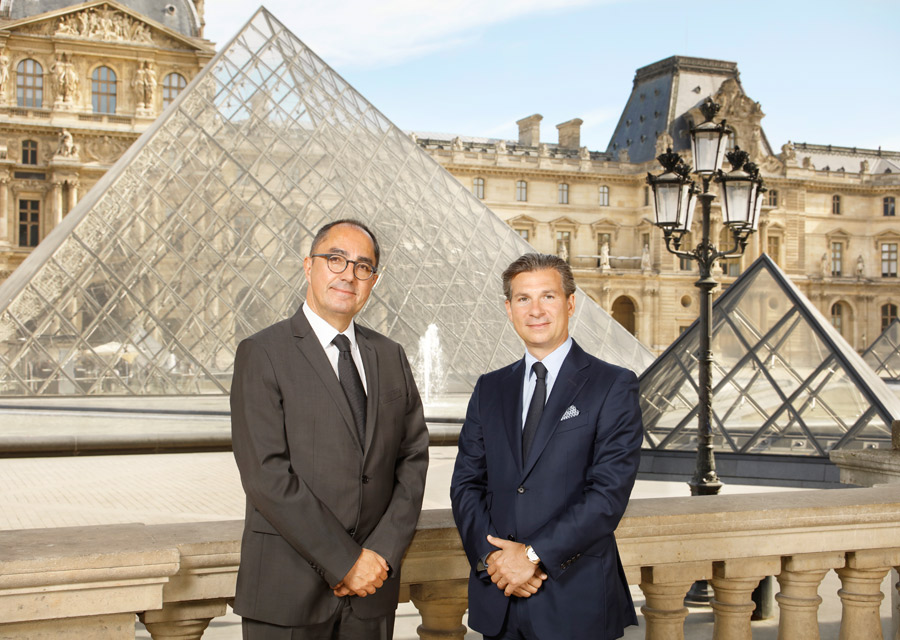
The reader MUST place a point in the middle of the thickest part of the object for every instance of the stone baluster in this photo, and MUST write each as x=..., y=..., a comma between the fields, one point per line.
x=861, y=594
x=664, y=589
x=442, y=606
x=799, y=598
x=734, y=582
x=182, y=620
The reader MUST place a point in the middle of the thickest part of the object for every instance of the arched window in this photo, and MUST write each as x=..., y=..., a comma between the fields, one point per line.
x=604, y=196
x=890, y=208
x=623, y=313
x=521, y=191
x=836, y=205
x=478, y=188
x=563, y=191
x=888, y=315
x=172, y=85
x=29, y=152
x=103, y=90
x=29, y=84
x=838, y=317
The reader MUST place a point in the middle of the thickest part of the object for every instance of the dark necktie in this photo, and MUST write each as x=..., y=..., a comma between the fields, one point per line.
x=535, y=409
x=353, y=387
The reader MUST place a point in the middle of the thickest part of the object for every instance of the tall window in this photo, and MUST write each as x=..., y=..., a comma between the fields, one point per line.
x=564, y=244
x=731, y=267
x=478, y=188
x=103, y=90
x=772, y=198
x=836, y=205
x=837, y=259
x=29, y=84
x=888, y=315
x=29, y=222
x=604, y=196
x=773, y=248
x=888, y=259
x=890, y=208
x=29, y=152
x=646, y=196
x=172, y=85
x=521, y=191
x=837, y=317
x=563, y=192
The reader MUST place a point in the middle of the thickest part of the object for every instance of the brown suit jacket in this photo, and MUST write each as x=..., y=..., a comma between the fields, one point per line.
x=316, y=495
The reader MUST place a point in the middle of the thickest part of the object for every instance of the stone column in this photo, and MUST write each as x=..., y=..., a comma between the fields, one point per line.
x=734, y=582
x=182, y=620
x=56, y=212
x=799, y=598
x=4, y=208
x=861, y=594
x=664, y=590
x=73, y=194
x=442, y=606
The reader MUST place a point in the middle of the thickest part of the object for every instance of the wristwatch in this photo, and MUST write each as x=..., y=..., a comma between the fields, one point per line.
x=531, y=555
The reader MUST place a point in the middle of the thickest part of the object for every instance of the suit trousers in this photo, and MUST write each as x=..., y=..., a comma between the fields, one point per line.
x=343, y=625
x=517, y=625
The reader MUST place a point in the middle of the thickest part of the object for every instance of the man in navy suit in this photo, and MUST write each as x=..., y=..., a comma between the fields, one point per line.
x=547, y=459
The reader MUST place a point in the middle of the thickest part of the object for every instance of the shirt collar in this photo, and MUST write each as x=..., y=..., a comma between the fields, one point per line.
x=553, y=360
x=324, y=331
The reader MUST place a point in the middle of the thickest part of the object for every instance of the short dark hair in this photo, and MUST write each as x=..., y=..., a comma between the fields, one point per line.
x=321, y=233
x=536, y=262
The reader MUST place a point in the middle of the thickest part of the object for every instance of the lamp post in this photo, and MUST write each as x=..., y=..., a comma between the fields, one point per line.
x=675, y=197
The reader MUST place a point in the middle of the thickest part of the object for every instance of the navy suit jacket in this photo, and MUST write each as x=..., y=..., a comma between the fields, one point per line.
x=565, y=500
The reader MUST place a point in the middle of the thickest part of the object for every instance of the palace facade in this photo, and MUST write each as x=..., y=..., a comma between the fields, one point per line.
x=79, y=82
x=829, y=220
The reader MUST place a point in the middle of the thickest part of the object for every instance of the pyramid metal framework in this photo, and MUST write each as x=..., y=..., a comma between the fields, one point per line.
x=883, y=355
x=784, y=380
x=196, y=237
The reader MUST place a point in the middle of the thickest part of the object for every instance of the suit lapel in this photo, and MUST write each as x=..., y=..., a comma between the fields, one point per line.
x=370, y=364
x=308, y=344
x=511, y=409
x=570, y=381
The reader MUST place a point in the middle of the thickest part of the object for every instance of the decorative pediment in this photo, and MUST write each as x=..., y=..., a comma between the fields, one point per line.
x=564, y=223
x=102, y=22
x=606, y=225
x=523, y=222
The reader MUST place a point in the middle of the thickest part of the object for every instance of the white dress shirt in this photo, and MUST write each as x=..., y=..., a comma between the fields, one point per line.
x=553, y=361
x=326, y=333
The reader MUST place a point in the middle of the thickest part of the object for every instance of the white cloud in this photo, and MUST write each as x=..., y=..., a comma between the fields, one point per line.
x=363, y=33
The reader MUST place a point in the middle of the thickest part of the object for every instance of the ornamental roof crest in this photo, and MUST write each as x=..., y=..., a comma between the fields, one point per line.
x=105, y=24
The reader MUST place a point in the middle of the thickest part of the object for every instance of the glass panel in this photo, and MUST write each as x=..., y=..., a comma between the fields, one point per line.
x=199, y=241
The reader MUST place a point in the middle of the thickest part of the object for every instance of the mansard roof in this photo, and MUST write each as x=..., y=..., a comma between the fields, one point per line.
x=847, y=159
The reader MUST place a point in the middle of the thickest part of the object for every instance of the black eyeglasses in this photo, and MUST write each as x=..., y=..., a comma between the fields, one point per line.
x=338, y=264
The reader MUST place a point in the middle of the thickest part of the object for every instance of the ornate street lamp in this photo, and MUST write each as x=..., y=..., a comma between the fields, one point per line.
x=675, y=196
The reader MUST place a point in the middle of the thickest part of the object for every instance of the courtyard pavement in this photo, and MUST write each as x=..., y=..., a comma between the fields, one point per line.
x=44, y=492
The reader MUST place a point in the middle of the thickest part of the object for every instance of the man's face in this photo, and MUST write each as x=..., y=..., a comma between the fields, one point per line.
x=337, y=297
x=540, y=310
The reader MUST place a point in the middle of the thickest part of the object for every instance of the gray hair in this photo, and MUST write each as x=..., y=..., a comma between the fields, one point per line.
x=536, y=262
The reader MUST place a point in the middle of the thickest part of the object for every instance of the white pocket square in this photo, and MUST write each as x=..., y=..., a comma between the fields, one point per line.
x=571, y=412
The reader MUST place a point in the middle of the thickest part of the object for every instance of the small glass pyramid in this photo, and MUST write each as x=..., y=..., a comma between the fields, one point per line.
x=196, y=237
x=784, y=380
x=883, y=355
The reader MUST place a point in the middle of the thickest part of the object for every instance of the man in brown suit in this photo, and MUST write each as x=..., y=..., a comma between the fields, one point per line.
x=332, y=448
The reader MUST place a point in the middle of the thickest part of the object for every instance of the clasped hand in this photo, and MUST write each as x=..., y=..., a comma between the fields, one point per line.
x=512, y=571
x=366, y=575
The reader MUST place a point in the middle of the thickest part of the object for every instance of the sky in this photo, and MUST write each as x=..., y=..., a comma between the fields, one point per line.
x=824, y=72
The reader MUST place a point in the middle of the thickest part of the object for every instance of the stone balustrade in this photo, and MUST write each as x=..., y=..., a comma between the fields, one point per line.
x=91, y=581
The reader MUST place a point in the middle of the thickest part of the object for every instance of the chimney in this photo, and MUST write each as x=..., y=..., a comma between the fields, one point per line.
x=530, y=130
x=570, y=134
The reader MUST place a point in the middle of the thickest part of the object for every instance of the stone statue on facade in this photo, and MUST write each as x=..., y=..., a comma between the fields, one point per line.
x=563, y=251
x=66, y=147
x=456, y=144
x=544, y=150
x=788, y=153
x=500, y=147
x=860, y=266
x=4, y=70
x=824, y=265
x=604, y=256
x=144, y=84
x=864, y=166
x=66, y=79
x=645, y=259
x=584, y=153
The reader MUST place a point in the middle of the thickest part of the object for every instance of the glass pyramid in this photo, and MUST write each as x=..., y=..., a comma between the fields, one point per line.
x=883, y=355
x=195, y=239
x=784, y=380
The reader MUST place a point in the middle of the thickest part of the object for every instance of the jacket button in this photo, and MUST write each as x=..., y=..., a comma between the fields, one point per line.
x=351, y=532
x=511, y=537
x=365, y=479
x=521, y=489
